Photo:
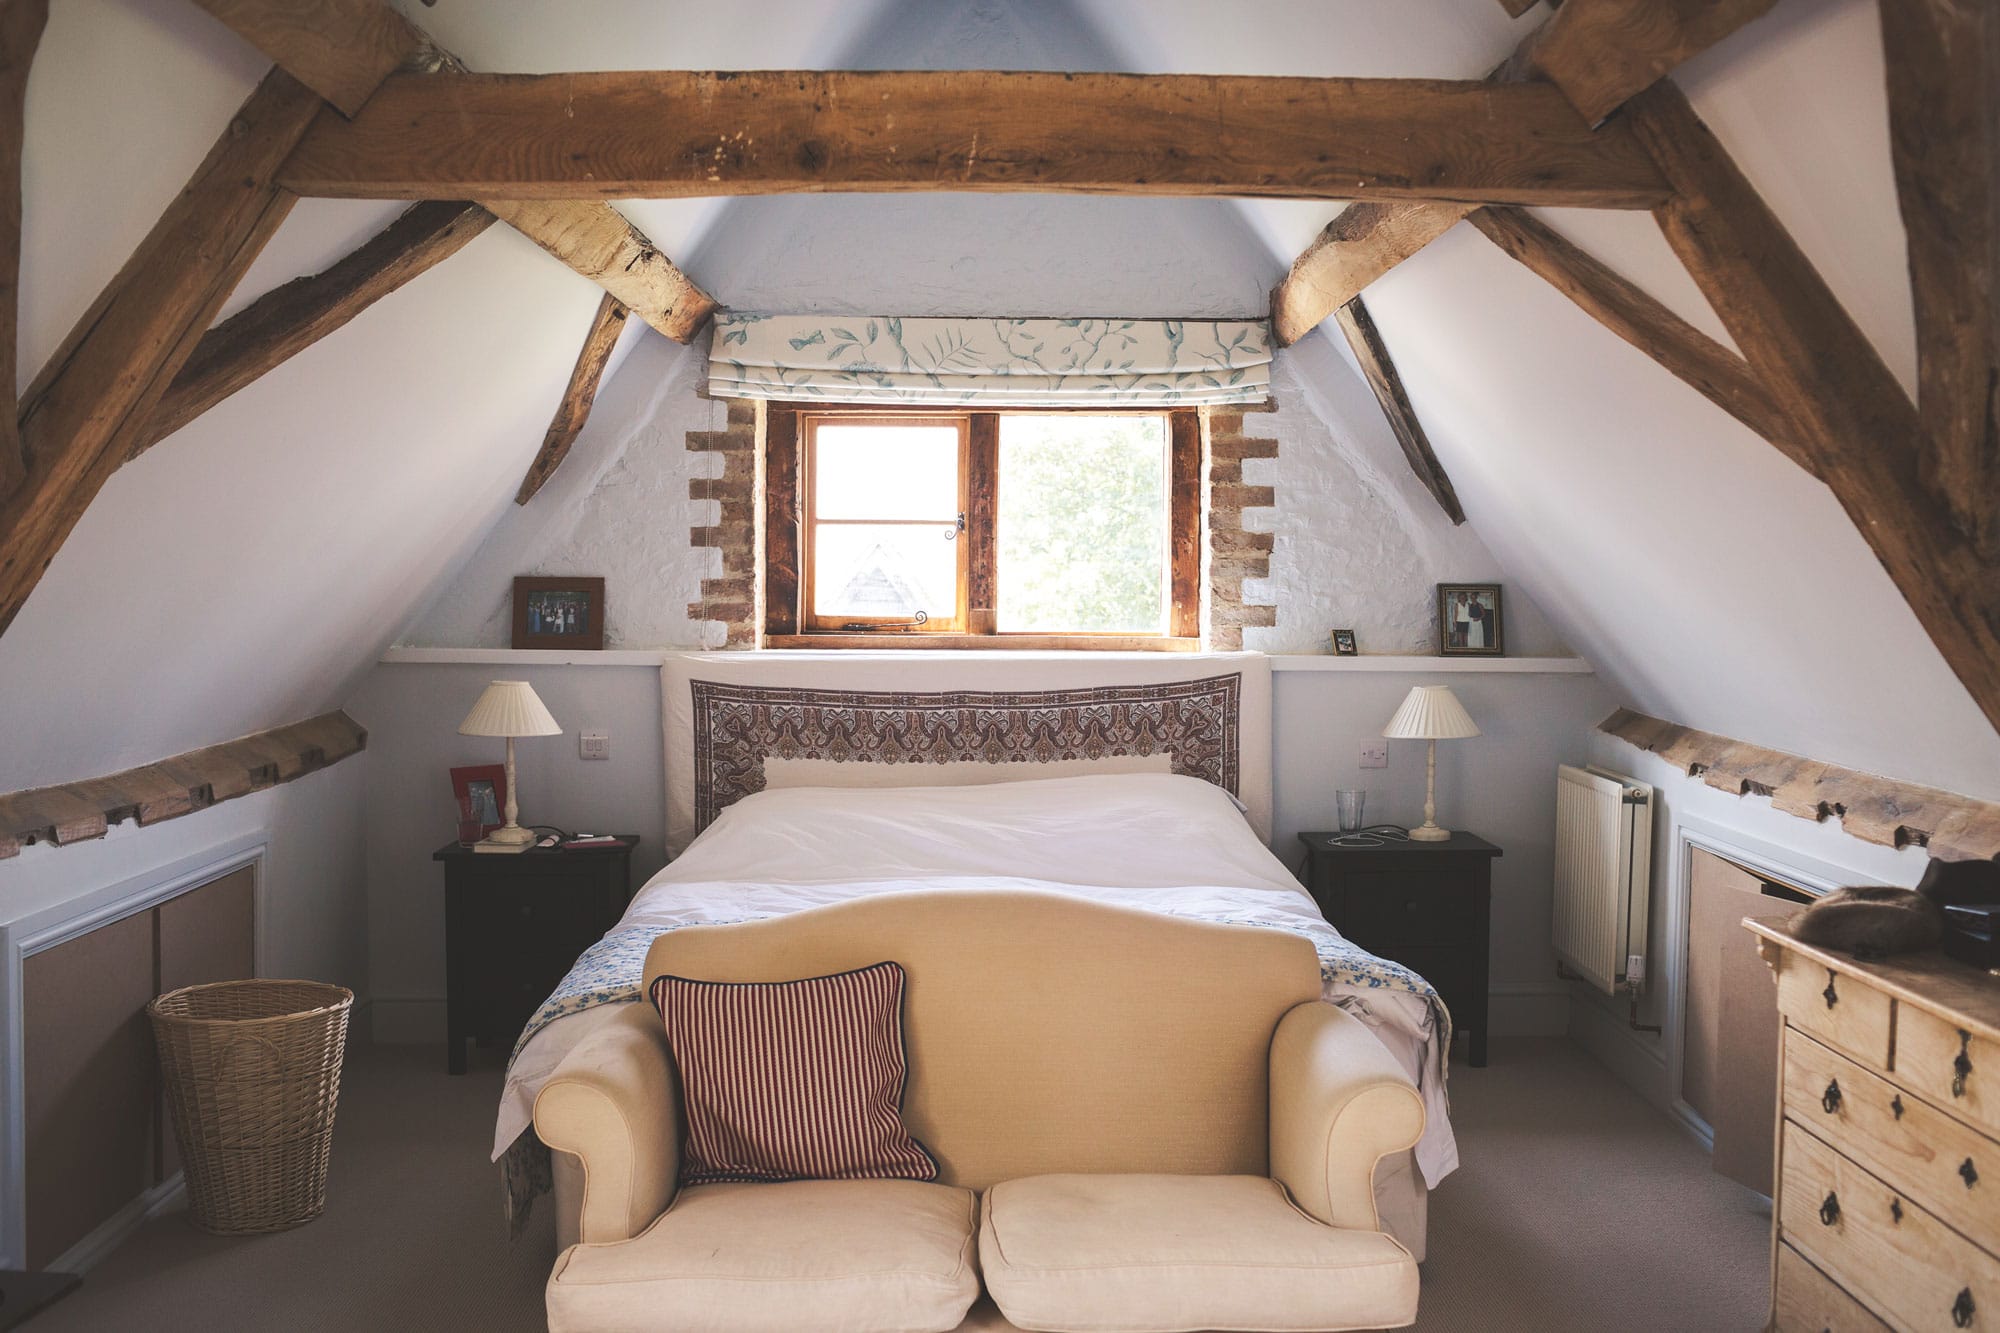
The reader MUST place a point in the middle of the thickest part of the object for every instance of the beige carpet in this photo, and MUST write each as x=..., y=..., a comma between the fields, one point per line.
x=1577, y=1207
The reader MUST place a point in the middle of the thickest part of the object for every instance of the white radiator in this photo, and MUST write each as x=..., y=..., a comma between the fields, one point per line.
x=1604, y=856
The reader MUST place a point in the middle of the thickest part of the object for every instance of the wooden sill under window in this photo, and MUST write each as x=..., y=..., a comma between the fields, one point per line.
x=1038, y=643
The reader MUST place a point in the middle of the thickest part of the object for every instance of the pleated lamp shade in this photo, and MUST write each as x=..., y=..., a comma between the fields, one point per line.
x=509, y=708
x=1431, y=712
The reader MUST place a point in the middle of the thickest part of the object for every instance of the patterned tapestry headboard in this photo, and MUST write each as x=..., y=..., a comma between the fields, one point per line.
x=737, y=723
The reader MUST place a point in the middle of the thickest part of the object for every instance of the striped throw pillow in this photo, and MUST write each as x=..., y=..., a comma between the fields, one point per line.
x=793, y=1080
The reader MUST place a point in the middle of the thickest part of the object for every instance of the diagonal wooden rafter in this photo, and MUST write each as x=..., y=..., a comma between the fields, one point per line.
x=1944, y=121
x=285, y=321
x=21, y=23
x=81, y=417
x=1598, y=52
x=1373, y=356
x=345, y=49
x=657, y=134
x=1721, y=376
x=578, y=397
x=1844, y=405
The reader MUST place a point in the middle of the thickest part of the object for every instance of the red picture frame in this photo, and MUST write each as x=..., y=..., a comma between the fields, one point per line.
x=475, y=787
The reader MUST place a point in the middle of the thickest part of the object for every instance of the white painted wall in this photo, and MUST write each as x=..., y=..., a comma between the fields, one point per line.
x=1500, y=785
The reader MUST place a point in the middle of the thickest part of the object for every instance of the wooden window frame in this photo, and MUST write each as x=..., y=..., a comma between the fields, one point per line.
x=788, y=619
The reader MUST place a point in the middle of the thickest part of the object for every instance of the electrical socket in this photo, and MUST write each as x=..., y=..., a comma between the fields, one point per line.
x=1374, y=754
x=594, y=745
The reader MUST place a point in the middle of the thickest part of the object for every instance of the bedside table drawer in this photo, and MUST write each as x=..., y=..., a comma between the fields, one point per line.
x=1411, y=909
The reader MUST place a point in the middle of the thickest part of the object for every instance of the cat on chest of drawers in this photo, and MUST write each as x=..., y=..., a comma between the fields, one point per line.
x=1875, y=921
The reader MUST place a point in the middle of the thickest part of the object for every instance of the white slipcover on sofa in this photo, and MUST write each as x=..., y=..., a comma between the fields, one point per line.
x=1141, y=1123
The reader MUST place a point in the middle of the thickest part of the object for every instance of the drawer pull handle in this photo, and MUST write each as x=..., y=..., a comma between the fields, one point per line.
x=1829, y=1211
x=1962, y=1065
x=1829, y=1100
x=1968, y=1173
x=1896, y=1211
x=1832, y=995
x=1963, y=1309
x=1896, y=1105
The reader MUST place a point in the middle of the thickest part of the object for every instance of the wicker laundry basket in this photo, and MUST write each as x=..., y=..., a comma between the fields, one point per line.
x=252, y=1072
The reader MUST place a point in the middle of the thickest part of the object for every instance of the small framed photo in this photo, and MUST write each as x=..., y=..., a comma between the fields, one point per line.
x=482, y=799
x=1343, y=643
x=1469, y=620
x=558, y=612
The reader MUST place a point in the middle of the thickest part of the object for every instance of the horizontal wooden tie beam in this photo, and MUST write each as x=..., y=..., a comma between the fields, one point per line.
x=675, y=133
x=181, y=785
x=1873, y=809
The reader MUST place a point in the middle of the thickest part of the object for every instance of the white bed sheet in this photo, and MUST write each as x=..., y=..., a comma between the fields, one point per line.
x=1152, y=841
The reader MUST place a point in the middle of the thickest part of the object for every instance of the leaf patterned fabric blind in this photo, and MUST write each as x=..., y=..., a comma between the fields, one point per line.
x=991, y=362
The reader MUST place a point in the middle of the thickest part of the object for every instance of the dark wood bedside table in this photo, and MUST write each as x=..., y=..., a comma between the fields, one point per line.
x=1426, y=905
x=514, y=925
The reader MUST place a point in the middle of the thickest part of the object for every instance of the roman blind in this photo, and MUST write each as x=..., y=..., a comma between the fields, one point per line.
x=991, y=362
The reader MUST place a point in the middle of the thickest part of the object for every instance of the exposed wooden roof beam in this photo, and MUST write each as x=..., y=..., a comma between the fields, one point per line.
x=595, y=239
x=1721, y=376
x=181, y=785
x=21, y=23
x=95, y=399
x=344, y=49
x=1516, y=8
x=1373, y=355
x=1873, y=809
x=341, y=49
x=1844, y=405
x=1357, y=247
x=284, y=322
x=1598, y=52
x=577, y=399
x=1944, y=121
x=673, y=133
x=1603, y=52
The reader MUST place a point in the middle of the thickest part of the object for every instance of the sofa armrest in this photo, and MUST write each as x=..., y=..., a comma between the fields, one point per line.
x=1339, y=1104
x=614, y=1102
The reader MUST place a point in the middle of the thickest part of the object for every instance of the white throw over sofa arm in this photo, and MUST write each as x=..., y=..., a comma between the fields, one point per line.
x=614, y=1102
x=1339, y=1104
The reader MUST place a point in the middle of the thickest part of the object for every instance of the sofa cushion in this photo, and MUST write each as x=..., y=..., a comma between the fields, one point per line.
x=825, y=1254
x=793, y=1080
x=1150, y=1254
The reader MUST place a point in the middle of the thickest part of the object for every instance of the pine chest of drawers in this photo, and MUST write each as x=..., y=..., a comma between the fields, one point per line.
x=1888, y=1191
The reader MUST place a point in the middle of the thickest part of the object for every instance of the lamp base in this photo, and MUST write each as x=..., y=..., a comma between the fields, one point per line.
x=1430, y=833
x=506, y=838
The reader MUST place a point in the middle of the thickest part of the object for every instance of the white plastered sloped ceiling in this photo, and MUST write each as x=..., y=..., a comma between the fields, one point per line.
x=1710, y=580
x=242, y=573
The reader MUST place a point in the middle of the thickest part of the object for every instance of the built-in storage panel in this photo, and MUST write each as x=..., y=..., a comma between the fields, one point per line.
x=89, y=1085
x=97, y=1136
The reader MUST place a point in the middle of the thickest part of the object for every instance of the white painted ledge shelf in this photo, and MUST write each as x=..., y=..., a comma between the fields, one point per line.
x=653, y=657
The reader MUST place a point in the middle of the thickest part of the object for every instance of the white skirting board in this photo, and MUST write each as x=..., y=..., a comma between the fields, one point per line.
x=114, y=1230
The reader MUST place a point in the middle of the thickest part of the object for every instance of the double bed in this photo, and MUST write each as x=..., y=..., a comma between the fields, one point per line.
x=792, y=786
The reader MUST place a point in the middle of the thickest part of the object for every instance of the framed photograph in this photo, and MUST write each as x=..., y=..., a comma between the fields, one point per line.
x=558, y=612
x=1343, y=643
x=1469, y=620
x=482, y=798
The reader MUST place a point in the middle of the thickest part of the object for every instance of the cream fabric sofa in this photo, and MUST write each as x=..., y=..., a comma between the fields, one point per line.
x=1140, y=1122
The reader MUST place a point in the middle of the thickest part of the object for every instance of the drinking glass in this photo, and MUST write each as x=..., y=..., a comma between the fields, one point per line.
x=1347, y=803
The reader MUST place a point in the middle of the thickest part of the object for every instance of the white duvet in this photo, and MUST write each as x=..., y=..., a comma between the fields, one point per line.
x=1153, y=841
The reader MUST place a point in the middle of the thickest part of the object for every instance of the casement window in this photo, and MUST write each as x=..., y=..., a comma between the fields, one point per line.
x=989, y=529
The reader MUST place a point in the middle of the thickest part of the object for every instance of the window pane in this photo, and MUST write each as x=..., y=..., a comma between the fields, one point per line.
x=884, y=571
x=866, y=471
x=1082, y=524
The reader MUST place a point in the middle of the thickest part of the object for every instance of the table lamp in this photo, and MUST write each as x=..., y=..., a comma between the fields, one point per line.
x=509, y=708
x=1431, y=713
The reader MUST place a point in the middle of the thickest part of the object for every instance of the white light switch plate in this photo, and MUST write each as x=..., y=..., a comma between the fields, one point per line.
x=594, y=745
x=1374, y=754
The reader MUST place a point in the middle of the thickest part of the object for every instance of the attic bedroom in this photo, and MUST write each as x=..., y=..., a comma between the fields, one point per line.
x=1000, y=664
